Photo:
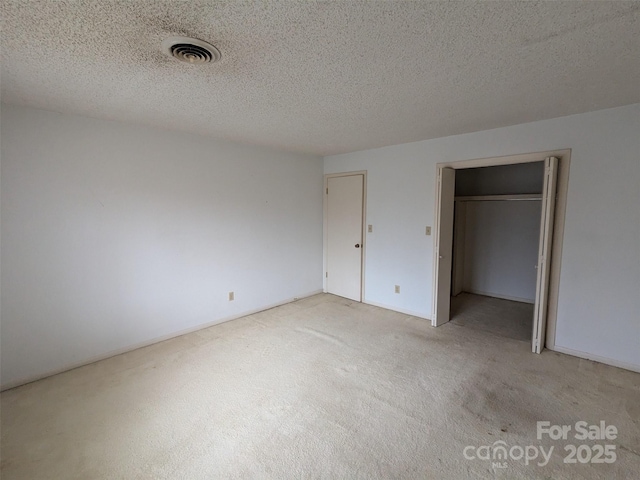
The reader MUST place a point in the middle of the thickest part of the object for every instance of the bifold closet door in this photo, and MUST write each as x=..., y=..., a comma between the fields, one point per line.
x=544, y=253
x=443, y=246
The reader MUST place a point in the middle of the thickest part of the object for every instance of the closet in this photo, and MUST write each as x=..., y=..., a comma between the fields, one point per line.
x=496, y=234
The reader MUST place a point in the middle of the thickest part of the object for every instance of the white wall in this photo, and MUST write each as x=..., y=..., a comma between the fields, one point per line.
x=599, y=305
x=501, y=249
x=114, y=235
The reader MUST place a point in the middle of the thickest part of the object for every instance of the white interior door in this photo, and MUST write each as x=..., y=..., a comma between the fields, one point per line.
x=544, y=253
x=444, y=246
x=344, y=236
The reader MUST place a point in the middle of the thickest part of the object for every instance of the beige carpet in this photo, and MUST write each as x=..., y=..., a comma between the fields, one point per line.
x=493, y=315
x=320, y=388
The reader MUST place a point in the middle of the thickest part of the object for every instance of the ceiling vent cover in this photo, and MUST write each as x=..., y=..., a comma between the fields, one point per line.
x=190, y=50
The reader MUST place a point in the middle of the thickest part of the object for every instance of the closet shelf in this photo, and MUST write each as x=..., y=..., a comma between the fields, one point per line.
x=494, y=198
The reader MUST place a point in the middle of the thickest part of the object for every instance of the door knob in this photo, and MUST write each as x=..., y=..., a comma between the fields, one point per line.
x=357, y=245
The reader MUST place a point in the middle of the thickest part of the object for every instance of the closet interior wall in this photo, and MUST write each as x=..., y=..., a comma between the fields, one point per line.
x=496, y=231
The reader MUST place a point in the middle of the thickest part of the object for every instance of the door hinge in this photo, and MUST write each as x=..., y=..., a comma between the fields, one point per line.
x=327, y=190
x=326, y=274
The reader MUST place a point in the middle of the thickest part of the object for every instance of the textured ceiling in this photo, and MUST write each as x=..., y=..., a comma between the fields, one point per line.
x=323, y=77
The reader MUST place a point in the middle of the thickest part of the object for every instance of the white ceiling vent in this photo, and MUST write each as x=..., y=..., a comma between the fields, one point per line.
x=190, y=50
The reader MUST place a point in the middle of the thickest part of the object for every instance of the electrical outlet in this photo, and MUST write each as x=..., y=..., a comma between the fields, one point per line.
x=397, y=288
x=428, y=231
x=231, y=296
x=370, y=228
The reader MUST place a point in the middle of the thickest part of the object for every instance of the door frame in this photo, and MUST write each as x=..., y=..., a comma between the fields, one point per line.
x=325, y=232
x=564, y=162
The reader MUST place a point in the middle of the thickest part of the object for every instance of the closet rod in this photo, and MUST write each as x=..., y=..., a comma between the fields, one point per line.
x=499, y=198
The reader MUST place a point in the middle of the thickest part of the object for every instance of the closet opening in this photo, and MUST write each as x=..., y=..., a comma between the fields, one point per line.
x=497, y=245
x=496, y=231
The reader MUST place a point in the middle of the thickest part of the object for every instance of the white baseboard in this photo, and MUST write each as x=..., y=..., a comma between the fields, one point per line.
x=396, y=309
x=596, y=358
x=135, y=346
x=499, y=295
